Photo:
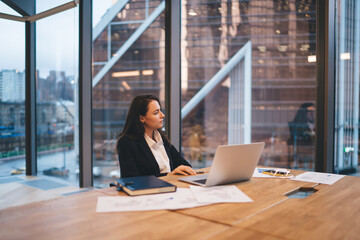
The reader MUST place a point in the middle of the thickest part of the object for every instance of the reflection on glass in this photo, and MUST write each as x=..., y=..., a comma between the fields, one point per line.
x=346, y=133
x=128, y=60
x=282, y=36
x=12, y=96
x=57, y=73
x=302, y=137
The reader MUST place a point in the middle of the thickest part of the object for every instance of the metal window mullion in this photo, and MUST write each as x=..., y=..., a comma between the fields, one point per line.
x=325, y=76
x=30, y=99
x=341, y=85
x=172, y=71
x=247, y=85
x=85, y=93
x=356, y=61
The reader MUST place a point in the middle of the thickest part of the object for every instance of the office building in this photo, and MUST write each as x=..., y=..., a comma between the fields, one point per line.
x=12, y=86
x=226, y=72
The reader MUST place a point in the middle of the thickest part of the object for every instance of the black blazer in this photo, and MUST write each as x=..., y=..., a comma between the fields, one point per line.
x=136, y=158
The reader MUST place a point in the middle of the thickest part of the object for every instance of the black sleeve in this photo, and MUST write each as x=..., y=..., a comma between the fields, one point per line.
x=128, y=167
x=177, y=158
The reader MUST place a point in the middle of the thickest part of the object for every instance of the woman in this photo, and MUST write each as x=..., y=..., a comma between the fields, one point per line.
x=143, y=149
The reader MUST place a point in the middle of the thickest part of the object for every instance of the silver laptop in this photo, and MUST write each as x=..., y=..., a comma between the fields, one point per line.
x=232, y=163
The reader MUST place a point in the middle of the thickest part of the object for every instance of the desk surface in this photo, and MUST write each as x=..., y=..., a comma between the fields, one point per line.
x=333, y=212
x=74, y=217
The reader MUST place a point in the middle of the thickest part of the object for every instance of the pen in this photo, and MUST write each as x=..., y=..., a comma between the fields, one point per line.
x=276, y=172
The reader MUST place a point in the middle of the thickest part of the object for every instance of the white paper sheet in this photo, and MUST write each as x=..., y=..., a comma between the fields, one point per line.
x=219, y=194
x=317, y=177
x=182, y=198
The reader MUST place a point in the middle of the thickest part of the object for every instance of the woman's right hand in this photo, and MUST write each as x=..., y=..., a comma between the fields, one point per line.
x=183, y=170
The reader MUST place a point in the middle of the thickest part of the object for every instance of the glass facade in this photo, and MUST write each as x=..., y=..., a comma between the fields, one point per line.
x=12, y=95
x=248, y=74
x=282, y=84
x=128, y=60
x=57, y=74
x=346, y=142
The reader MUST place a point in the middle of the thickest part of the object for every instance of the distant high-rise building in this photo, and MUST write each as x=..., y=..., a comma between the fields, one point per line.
x=12, y=86
x=56, y=86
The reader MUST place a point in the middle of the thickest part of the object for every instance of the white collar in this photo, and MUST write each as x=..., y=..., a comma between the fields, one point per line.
x=157, y=137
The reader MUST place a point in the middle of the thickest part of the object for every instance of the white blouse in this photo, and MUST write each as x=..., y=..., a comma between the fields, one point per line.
x=158, y=150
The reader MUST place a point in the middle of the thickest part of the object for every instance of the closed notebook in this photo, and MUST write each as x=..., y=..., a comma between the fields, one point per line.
x=145, y=185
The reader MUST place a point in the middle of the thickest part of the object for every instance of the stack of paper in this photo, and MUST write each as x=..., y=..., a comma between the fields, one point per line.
x=219, y=194
x=317, y=177
x=182, y=198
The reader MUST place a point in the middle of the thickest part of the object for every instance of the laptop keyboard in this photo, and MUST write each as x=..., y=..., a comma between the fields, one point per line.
x=202, y=181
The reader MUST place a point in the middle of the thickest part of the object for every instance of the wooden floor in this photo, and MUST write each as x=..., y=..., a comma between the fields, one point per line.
x=20, y=189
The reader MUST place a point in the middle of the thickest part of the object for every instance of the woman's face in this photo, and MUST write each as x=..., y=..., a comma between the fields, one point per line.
x=154, y=118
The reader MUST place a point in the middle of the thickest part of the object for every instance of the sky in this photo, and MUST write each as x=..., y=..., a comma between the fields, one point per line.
x=57, y=38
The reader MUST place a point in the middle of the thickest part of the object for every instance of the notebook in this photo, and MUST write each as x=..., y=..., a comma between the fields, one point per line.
x=232, y=163
x=145, y=185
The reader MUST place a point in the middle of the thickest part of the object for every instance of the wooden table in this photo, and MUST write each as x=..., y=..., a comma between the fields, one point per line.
x=333, y=212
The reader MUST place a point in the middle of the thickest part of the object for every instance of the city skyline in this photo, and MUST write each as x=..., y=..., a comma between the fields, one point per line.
x=57, y=85
x=56, y=49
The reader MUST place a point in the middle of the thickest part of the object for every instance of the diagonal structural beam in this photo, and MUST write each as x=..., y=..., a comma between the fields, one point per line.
x=238, y=68
x=108, y=17
x=215, y=80
x=41, y=15
x=128, y=43
x=12, y=17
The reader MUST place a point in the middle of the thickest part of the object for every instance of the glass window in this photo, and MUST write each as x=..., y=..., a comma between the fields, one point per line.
x=128, y=60
x=266, y=95
x=57, y=74
x=41, y=6
x=12, y=95
x=346, y=144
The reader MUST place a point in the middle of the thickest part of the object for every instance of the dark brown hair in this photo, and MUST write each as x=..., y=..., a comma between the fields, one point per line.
x=133, y=128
